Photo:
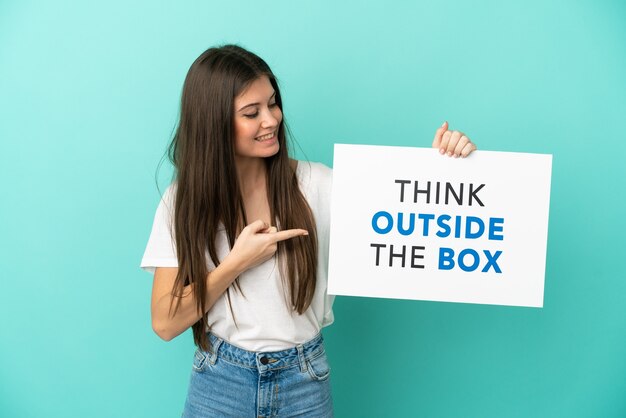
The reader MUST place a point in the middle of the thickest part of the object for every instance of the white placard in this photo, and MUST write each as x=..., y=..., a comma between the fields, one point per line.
x=409, y=223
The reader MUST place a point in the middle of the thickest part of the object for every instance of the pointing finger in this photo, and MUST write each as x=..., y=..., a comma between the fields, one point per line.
x=288, y=234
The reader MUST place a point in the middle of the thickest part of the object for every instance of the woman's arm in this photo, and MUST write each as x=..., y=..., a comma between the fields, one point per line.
x=256, y=244
x=168, y=327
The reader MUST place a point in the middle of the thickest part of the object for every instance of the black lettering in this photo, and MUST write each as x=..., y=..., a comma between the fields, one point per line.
x=450, y=190
x=398, y=255
x=472, y=194
x=416, y=256
x=425, y=191
x=378, y=247
x=402, y=183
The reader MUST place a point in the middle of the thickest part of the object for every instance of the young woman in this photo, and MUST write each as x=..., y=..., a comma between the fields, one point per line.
x=239, y=246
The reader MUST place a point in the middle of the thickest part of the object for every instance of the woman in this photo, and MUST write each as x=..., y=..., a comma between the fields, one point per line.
x=239, y=246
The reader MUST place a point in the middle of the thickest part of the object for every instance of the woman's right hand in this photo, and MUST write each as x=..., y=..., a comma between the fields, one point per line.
x=257, y=243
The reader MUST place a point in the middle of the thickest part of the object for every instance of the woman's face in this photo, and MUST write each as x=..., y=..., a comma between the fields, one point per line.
x=257, y=118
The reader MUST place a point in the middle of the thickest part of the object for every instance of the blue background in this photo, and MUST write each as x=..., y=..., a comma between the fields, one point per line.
x=89, y=95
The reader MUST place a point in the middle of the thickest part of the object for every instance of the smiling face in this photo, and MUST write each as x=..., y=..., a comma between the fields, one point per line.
x=257, y=120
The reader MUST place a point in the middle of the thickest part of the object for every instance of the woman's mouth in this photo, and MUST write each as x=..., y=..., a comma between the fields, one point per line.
x=265, y=137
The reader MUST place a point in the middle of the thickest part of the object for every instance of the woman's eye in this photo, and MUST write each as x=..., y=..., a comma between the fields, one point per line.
x=252, y=115
x=273, y=104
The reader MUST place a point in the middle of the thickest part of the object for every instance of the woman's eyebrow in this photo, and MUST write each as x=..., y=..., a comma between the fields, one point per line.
x=255, y=103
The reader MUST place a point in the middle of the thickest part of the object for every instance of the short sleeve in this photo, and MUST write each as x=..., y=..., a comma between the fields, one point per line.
x=329, y=317
x=316, y=184
x=161, y=248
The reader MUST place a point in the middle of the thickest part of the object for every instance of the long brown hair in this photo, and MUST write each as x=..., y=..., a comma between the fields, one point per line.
x=207, y=190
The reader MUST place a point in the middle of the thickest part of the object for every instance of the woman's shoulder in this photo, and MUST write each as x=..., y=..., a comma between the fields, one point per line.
x=314, y=178
x=313, y=171
x=170, y=191
x=168, y=196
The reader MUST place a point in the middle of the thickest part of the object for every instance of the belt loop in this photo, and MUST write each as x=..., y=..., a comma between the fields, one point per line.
x=300, y=348
x=212, y=357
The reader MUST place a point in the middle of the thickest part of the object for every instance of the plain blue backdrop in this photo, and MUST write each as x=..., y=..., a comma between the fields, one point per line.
x=89, y=95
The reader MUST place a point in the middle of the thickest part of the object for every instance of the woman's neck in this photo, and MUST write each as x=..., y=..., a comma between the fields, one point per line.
x=251, y=174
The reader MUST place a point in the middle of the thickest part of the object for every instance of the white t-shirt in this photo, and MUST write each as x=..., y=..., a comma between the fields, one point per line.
x=264, y=320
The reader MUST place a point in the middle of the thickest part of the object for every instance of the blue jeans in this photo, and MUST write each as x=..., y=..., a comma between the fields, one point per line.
x=228, y=381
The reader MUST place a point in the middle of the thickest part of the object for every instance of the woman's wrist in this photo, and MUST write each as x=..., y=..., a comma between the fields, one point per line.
x=232, y=266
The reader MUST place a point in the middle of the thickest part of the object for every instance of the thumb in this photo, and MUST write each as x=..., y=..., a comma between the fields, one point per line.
x=257, y=226
x=439, y=134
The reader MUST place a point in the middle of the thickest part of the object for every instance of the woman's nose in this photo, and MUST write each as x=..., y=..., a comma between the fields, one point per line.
x=269, y=119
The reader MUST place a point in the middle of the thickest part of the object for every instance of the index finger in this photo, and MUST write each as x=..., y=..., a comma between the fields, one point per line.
x=288, y=234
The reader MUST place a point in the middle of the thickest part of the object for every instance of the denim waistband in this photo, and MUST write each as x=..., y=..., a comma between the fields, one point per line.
x=264, y=361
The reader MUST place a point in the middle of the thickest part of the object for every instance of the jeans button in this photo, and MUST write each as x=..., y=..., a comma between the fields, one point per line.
x=264, y=360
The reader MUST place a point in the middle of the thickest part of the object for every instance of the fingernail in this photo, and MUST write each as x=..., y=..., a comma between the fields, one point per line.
x=450, y=154
x=441, y=151
x=443, y=124
x=306, y=233
x=456, y=155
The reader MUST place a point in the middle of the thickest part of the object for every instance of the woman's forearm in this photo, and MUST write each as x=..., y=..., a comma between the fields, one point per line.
x=256, y=244
x=169, y=326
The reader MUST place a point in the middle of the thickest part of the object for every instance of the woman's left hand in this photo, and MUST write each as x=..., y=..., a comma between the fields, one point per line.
x=452, y=143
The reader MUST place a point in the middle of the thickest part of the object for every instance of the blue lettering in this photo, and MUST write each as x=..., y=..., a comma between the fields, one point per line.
x=445, y=228
x=492, y=261
x=472, y=266
x=457, y=227
x=468, y=227
x=401, y=229
x=377, y=216
x=446, y=261
x=426, y=217
x=493, y=228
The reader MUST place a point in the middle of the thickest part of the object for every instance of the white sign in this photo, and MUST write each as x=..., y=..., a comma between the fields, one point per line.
x=409, y=223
